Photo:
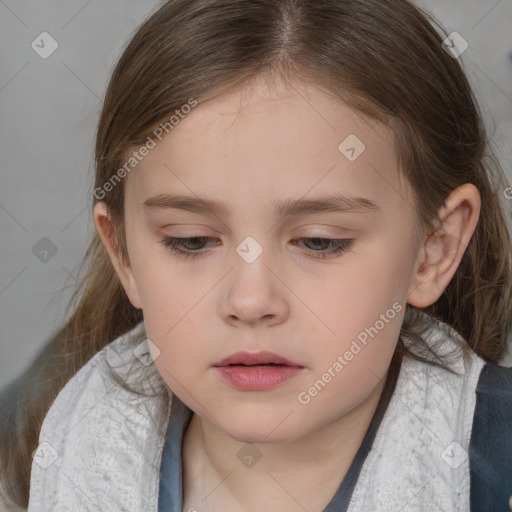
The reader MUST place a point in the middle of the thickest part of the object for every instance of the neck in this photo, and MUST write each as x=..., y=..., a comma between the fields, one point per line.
x=299, y=475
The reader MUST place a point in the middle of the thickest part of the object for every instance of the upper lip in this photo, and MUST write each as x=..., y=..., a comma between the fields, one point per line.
x=254, y=358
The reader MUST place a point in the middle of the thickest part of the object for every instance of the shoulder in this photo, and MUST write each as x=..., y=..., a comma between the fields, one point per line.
x=443, y=363
x=115, y=407
x=117, y=376
x=122, y=368
x=490, y=448
x=111, y=364
x=496, y=380
x=493, y=407
x=480, y=394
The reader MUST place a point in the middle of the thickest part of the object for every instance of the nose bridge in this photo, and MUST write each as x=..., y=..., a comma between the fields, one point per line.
x=251, y=272
x=250, y=249
x=253, y=291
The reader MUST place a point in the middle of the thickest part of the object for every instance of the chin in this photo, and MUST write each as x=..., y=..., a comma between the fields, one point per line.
x=261, y=432
x=256, y=437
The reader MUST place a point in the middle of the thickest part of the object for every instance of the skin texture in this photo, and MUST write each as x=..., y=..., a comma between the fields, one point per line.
x=251, y=148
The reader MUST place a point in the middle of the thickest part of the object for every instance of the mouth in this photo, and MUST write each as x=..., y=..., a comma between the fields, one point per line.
x=258, y=371
x=256, y=360
x=268, y=365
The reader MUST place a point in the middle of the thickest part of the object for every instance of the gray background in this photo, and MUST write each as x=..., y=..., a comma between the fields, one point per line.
x=49, y=109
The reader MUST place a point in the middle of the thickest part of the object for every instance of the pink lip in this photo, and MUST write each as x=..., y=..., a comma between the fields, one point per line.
x=256, y=358
x=237, y=371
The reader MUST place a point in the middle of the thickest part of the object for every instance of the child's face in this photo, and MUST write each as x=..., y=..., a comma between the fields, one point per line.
x=253, y=151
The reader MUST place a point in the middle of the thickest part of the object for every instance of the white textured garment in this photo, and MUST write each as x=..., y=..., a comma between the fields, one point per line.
x=100, y=446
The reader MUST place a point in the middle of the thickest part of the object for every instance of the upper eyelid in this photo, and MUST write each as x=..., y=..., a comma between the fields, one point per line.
x=207, y=237
x=323, y=232
x=212, y=238
x=344, y=245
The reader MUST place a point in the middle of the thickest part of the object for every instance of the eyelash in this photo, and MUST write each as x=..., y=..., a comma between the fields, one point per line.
x=172, y=243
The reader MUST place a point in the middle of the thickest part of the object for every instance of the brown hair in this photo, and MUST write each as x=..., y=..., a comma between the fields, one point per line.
x=385, y=59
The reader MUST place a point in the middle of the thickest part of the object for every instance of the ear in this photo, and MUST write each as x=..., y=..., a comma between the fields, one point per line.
x=106, y=232
x=442, y=250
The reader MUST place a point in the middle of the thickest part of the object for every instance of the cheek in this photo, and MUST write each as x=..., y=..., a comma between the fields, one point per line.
x=353, y=297
x=158, y=280
x=332, y=394
x=181, y=357
x=170, y=302
x=359, y=311
x=381, y=273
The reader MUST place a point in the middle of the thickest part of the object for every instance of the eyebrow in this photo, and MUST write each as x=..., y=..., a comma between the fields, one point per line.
x=282, y=208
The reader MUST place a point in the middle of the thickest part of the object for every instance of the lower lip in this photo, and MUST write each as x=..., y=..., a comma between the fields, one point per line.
x=257, y=379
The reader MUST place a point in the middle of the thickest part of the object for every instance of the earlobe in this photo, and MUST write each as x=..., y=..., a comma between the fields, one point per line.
x=443, y=249
x=106, y=232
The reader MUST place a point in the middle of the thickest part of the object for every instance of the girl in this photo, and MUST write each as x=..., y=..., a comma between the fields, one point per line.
x=301, y=280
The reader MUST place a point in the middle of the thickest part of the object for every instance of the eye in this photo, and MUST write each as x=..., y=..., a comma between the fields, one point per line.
x=338, y=246
x=173, y=244
x=192, y=247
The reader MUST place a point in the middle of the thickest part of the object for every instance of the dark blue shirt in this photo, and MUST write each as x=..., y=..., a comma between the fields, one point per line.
x=490, y=447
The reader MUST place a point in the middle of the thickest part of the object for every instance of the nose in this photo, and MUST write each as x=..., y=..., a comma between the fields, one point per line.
x=253, y=294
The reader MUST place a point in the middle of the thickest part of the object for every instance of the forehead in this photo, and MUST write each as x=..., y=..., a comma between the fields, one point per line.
x=266, y=141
